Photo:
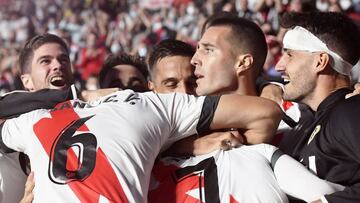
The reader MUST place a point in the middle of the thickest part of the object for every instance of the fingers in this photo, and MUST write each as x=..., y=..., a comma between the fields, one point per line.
x=234, y=139
x=235, y=134
x=355, y=92
x=29, y=187
x=218, y=140
x=91, y=95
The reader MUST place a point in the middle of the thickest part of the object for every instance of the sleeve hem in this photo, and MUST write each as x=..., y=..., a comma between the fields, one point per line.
x=207, y=113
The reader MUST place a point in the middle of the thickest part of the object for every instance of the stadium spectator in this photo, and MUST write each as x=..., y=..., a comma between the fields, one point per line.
x=91, y=57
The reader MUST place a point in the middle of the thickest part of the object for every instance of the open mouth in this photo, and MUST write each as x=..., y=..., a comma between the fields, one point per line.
x=58, y=81
x=286, y=81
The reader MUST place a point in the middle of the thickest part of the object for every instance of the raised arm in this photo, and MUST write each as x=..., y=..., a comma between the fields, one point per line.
x=258, y=117
x=16, y=103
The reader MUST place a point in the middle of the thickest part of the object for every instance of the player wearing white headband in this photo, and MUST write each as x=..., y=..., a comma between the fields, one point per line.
x=320, y=50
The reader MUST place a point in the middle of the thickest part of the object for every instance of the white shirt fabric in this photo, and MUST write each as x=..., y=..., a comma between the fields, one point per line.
x=292, y=110
x=244, y=174
x=249, y=174
x=110, y=145
x=241, y=175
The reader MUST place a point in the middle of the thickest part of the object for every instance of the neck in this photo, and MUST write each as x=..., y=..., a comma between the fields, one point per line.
x=326, y=85
x=246, y=86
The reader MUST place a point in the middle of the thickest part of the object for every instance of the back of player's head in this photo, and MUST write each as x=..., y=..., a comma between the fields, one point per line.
x=336, y=30
x=122, y=59
x=27, y=52
x=246, y=36
x=168, y=48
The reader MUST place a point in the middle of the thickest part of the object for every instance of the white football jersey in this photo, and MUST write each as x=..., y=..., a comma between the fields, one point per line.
x=240, y=175
x=101, y=151
x=292, y=110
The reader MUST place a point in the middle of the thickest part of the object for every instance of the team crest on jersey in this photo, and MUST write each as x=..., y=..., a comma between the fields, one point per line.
x=315, y=132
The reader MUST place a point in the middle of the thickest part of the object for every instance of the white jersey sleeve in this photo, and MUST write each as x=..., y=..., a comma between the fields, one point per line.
x=293, y=178
x=238, y=175
x=248, y=174
x=15, y=133
x=188, y=115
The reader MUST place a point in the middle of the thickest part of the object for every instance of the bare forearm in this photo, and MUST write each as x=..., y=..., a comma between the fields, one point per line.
x=257, y=117
x=195, y=145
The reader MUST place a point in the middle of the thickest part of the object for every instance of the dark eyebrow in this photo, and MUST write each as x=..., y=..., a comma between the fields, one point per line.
x=49, y=56
x=169, y=80
x=134, y=79
x=287, y=50
x=43, y=57
x=206, y=44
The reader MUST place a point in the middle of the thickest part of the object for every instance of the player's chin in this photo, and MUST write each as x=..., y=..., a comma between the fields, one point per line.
x=289, y=95
x=200, y=92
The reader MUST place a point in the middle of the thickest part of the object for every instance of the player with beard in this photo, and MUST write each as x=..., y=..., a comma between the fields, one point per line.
x=320, y=50
x=44, y=64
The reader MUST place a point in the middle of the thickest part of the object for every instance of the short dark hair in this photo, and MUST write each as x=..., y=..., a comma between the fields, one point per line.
x=169, y=47
x=335, y=29
x=122, y=59
x=27, y=52
x=246, y=36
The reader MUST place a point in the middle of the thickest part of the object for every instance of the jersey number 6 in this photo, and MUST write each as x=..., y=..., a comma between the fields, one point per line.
x=63, y=149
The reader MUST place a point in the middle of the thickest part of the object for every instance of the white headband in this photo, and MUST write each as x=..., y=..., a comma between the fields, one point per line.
x=301, y=39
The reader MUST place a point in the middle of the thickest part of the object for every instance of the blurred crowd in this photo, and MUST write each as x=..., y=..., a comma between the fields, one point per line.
x=95, y=28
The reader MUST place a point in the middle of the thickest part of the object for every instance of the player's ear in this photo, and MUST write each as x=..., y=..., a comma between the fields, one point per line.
x=323, y=59
x=27, y=81
x=243, y=63
x=151, y=86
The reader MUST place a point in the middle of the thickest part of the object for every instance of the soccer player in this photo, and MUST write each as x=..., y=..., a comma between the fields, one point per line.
x=105, y=150
x=260, y=173
x=243, y=174
x=320, y=50
x=44, y=63
x=171, y=71
x=125, y=72
x=170, y=67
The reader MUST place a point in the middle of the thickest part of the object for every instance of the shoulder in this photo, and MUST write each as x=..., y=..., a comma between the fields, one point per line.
x=348, y=107
x=344, y=117
x=174, y=98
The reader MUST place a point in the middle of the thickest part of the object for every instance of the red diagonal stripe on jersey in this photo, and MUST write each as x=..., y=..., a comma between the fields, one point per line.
x=233, y=200
x=170, y=190
x=102, y=180
x=286, y=105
